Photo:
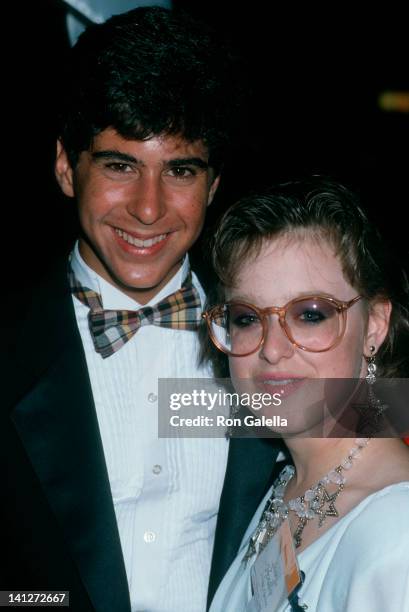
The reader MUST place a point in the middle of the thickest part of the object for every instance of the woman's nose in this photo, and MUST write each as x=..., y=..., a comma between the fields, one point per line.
x=276, y=344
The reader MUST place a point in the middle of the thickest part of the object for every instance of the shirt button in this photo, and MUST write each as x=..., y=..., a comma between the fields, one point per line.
x=152, y=397
x=157, y=469
x=149, y=536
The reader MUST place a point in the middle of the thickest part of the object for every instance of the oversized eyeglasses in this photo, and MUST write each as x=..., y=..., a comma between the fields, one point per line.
x=314, y=323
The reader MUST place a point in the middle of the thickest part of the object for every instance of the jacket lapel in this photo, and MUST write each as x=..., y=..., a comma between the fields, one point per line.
x=248, y=476
x=57, y=423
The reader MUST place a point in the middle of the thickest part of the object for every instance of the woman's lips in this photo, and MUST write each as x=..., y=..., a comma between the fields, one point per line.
x=285, y=385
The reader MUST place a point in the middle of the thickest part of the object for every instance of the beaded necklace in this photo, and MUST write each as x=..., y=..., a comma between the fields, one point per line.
x=316, y=502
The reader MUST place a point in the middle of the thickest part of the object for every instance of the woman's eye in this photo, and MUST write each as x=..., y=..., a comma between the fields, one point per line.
x=312, y=316
x=245, y=320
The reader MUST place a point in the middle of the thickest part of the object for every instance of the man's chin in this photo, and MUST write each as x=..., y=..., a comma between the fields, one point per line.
x=141, y=289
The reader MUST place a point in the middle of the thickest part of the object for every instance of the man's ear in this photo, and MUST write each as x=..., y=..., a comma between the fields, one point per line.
x=63, y=171
x=378, y=325
x=213, y=189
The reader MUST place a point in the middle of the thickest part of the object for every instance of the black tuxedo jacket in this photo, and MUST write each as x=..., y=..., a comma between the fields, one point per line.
x=57, y=520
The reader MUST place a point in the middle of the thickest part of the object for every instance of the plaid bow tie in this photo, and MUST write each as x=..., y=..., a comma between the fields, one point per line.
x=111, y=329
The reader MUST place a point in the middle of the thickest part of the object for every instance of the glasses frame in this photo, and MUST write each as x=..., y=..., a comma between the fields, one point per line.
x=281, y=311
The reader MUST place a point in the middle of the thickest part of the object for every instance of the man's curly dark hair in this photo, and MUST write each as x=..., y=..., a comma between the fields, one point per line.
x=146, y=73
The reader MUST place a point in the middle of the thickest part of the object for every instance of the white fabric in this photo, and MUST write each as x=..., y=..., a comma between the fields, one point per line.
x=166, y=492
x=361, y=564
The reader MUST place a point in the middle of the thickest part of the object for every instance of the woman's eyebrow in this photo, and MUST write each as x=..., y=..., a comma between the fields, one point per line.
x=252, y=299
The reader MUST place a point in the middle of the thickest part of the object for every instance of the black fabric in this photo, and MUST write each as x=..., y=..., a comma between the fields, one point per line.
x=57, y=520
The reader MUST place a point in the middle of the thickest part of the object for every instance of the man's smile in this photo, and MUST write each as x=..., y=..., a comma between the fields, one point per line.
x=148, y=242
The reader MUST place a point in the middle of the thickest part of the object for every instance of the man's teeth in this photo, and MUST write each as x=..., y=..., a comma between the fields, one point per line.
x=140, y=243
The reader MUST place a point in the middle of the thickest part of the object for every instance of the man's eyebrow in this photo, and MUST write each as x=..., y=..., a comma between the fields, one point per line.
x=112, y=154
x=172, y=163
x=188, y=161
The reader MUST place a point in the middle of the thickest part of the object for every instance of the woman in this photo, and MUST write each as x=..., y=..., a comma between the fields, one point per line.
x=307, y=294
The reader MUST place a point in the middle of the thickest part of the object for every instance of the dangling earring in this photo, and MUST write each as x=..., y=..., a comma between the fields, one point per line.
x=371, y=372
x=372, y=412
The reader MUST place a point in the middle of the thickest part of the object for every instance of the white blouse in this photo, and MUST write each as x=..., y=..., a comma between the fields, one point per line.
x=361, y=564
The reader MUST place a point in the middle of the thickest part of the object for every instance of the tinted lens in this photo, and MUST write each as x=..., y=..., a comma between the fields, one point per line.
x=237, y=328
x=314, y=324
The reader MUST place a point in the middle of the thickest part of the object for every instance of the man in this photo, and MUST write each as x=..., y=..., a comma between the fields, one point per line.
x=96, y=504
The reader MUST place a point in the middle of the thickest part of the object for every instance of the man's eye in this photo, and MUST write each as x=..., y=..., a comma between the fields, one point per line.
x=182, y=172
x=121, y=167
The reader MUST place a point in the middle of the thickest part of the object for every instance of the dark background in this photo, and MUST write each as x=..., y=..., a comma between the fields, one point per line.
x=314, y=76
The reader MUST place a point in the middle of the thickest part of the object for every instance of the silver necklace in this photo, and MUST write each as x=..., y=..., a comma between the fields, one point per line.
x=316, y=502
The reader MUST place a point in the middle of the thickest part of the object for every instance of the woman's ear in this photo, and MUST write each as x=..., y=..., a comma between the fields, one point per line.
x=63, y=171
x=378, y=325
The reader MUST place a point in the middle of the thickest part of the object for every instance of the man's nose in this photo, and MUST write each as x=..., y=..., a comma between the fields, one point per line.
x=147, y=203
x=276, y=345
